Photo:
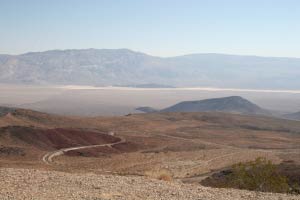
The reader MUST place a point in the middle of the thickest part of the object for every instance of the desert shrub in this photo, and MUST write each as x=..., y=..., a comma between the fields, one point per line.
x=160, y=174
x=165, y=177
x=258, y=175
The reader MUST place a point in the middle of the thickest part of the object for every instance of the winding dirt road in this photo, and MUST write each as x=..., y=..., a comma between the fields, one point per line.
x=48, y=157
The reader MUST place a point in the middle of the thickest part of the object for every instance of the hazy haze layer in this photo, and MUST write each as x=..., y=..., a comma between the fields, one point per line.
x=93, y=101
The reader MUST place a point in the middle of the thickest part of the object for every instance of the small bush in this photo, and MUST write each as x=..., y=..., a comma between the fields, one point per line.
x=160, y=174
x=165, y=177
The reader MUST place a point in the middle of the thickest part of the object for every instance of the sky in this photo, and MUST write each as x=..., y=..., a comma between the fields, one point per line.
x=157, y=27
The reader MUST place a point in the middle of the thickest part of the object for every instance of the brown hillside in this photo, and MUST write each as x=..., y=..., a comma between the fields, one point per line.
x=47, y=139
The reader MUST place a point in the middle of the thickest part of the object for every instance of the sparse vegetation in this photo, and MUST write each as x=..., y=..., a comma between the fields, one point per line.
x=258, y=175
x=160, y=174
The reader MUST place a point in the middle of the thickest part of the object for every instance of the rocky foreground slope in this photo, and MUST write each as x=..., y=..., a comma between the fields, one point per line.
x=33, y=184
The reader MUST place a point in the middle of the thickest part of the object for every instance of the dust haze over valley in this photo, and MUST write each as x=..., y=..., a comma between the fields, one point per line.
x=91, y=101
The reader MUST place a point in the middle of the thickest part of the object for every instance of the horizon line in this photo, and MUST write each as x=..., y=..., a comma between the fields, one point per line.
x=138, y=51
x=212, y=89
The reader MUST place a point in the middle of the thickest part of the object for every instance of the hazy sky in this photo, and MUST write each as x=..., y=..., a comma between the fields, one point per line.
x=157, y=27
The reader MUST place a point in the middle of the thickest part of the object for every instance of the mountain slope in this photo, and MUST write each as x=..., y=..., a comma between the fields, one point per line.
x=25, y=117
x=293, y=116
x=146, y=109
x=6, y=110
x=88, y=66
x=125, y=67
x=233, y=104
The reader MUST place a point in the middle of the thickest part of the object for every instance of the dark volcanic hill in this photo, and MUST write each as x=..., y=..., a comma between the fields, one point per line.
x=146, y=109
x=106, y=67
x=6, y=110
x=233, y=104
x=293, y=116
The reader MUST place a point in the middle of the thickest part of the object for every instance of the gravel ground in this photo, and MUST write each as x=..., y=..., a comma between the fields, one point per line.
x=41, y=185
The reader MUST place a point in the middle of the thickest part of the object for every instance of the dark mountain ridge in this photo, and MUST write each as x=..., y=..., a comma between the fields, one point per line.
x=293, y=116
x=233, y=104
x=6, y=110
x=146, y=109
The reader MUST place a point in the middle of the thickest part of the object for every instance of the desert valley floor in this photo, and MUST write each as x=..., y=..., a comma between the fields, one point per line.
x=97, y=154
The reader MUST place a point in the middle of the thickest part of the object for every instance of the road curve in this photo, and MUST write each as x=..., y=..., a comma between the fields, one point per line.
x=48, y=157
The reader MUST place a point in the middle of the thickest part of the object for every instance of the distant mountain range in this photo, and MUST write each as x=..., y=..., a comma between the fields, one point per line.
x=149, y=85
x=104, y=67
x=232, y=104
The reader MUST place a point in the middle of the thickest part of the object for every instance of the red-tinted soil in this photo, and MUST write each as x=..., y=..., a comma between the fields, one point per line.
x=53, y=138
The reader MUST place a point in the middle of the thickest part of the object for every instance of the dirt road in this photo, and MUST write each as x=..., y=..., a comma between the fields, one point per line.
x=48, y=157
